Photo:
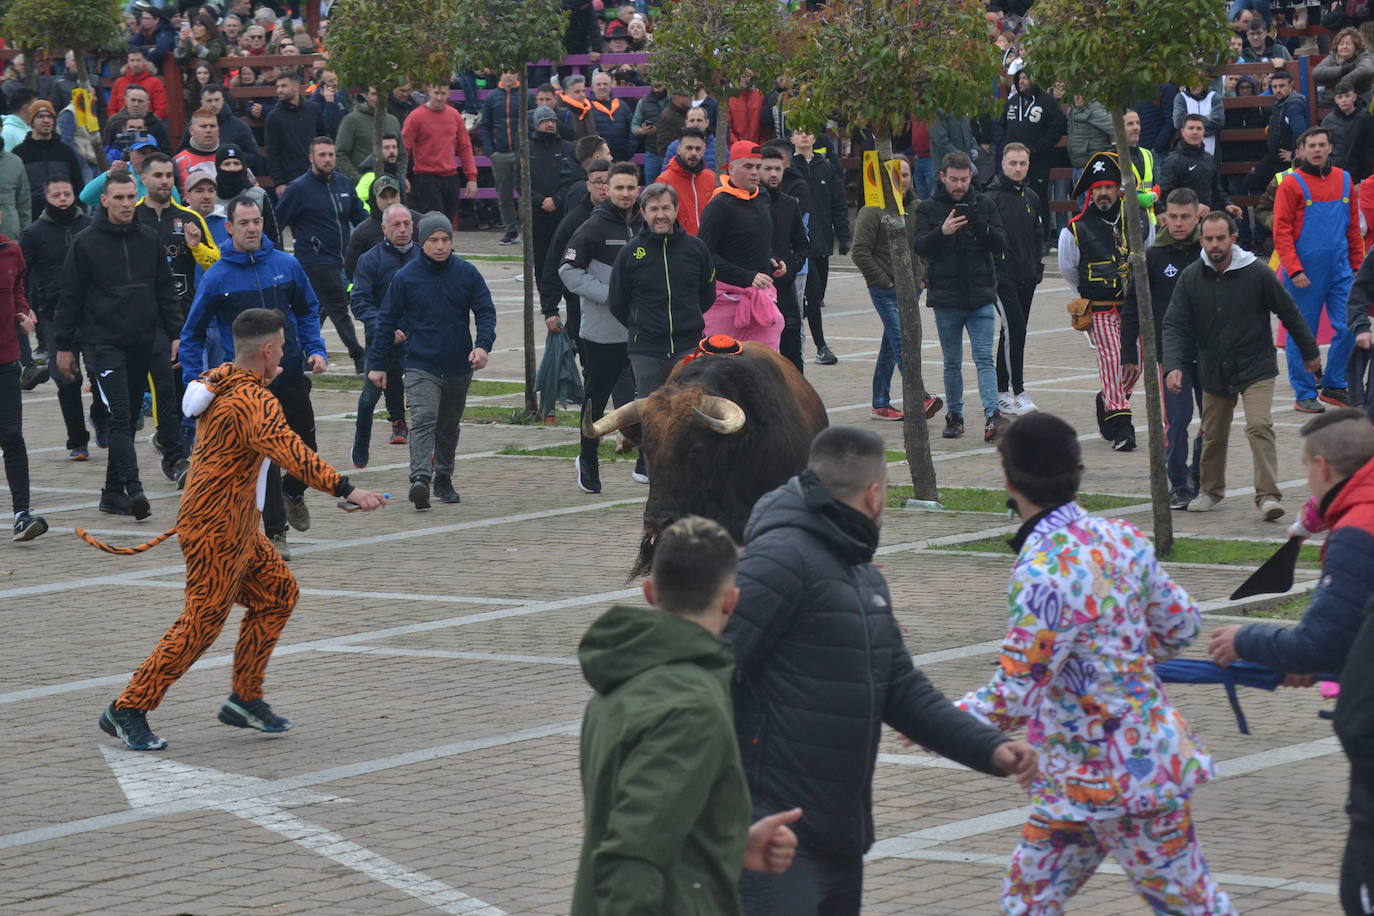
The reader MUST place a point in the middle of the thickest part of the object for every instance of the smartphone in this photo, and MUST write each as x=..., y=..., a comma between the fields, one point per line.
x=964, y=209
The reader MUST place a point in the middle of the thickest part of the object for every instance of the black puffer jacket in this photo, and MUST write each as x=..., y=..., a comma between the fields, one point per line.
x=821, y=665
x=961, y=269
x=1019, y=208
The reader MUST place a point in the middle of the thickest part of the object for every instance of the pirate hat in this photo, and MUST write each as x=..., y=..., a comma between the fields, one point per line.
x=1102, y=168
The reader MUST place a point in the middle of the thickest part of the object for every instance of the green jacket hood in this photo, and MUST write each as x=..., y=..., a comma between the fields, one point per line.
x=1164, y=240
x=627, y=641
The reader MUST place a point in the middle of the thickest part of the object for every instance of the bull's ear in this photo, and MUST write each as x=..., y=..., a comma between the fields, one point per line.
x=720, y=415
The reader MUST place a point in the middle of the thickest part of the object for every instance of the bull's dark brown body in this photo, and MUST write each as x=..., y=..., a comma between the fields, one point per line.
x=694, y=470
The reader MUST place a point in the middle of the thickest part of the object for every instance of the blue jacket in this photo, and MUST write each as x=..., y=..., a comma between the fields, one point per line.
x=321, y=216
x=433, y=303
x=266, y=278
x=502, y=126
x=372, y=276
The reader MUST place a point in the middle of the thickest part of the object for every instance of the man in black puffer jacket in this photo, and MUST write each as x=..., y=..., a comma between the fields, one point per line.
x=821, y=666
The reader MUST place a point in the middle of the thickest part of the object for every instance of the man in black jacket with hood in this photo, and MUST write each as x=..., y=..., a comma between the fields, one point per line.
x=1019, y=271
x=117, y=290
x=790, y=246
x=737, y=224
x=1191, y=166
x=808, y=727
x=550, y=156
x=551, y=291
x=1033, y=117
x=829, y=224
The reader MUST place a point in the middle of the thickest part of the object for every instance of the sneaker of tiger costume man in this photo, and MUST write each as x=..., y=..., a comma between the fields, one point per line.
x=229, y=560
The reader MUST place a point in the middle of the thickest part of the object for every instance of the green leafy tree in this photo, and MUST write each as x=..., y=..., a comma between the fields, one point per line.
x=724, y=45
x=59, y=25
x=514, y=34
x=1085, y=43
x=875, y=64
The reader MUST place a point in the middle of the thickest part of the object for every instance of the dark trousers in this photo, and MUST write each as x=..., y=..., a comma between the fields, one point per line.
x=1015, y=298
x=12, y=437
x=327, y=281
x=441, y=193
x=605, y=364
x=69, y=393
x=395, y=391
x=650, y=372
x=542, y=227
x=1357, y=871
x=1178, y=414
x=790, y=345
x=1039, y=182
x=121, y=376
x=817, y=279
x=294, y=396
x=167, y=390
x=813, y=886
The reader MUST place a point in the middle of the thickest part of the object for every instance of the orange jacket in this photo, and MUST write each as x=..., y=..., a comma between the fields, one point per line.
x=693, y=192
x=746, y=117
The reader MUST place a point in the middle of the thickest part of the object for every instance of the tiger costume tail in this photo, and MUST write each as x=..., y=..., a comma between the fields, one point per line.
x=124, y=551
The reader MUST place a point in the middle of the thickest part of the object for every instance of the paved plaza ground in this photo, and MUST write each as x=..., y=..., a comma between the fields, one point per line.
x=430, y=669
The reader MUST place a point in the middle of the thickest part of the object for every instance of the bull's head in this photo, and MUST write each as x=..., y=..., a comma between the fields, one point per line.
x=715, y=414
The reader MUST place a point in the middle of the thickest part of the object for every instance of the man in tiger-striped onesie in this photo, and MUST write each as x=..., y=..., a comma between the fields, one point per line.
x=228, y=559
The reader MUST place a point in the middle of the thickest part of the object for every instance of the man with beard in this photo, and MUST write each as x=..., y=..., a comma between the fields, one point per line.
x=959, y=233
x=45, y=244
x=1221, y=310
x=586, y=271
x=321, y=210
x=391, y=166
x=291, y=125
x=687, y=174
x=1033, y=117
x=44, y=154
x=186, y=241
x=790, y=246
x=354, y=139
x=233, y=177
x=1093, y=260
x=697, y=118
x=552, y=291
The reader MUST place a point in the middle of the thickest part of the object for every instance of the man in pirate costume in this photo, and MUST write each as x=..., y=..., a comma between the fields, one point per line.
x=1093, y=260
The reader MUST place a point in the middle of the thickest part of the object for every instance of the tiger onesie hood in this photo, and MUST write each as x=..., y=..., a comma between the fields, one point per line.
x=240, y=430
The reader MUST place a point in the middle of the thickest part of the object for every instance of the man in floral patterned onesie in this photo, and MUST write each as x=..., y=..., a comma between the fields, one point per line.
x=1091, y=611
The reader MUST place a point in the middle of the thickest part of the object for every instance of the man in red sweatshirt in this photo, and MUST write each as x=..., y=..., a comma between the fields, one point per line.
x=140, y=72
x=438, y=140
x=1317, y=238
x=687, y=174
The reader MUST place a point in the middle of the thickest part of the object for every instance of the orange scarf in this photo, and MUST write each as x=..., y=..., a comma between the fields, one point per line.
x=608, y=112
x=582, y=109
x=727, y=188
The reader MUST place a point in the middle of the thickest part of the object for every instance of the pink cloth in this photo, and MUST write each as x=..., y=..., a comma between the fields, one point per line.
x=745, y=314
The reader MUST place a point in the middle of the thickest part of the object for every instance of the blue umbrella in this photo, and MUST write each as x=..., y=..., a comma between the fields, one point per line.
x=1201, y=671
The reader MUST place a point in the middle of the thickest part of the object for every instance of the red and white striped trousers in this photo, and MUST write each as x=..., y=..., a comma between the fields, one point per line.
x=1106, y=336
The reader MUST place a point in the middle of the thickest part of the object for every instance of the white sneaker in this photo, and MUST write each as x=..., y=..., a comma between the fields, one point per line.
x=1006, y=403
x=1271, y=509
x=1204, y=503
x=1024, y=404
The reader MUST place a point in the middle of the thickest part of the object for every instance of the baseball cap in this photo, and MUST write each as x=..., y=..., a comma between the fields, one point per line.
x=386, y=183
x=745, y=149
x=201, y=171
x=145, y=143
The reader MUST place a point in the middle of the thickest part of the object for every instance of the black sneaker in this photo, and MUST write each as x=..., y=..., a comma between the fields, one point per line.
x=138, y=506
x=28, y=526
x=1180, y=501
x=252, y=714
x=419, y=493
x=994, y=426
x=102, y=432
x=30, y=377
x=641, y=471
x=826, y=357
x=588, y=476
x=132, y=726
x=362, y=446
x=1336, y=397
x=509, y=238
x=360, y=365
x=112, y=503
x=297, y=512
x=443, y=489
x=170, y=468
x=183, y=470
x=954, y=426
x=1124, y=443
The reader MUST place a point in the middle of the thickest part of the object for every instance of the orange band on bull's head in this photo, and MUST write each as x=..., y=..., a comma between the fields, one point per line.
x=716, y=345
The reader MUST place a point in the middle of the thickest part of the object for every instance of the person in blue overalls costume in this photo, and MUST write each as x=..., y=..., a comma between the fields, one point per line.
x=1319, y=247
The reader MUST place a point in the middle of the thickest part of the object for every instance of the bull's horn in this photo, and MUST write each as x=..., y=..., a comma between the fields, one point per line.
x=621, y=417
x=720, y=415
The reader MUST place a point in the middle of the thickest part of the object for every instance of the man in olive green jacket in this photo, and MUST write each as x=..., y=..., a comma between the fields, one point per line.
x=665, y=802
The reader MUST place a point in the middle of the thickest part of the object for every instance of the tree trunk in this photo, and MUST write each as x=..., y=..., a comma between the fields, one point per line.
x=522, y=165
x=30, y=69
x=83, y=76
x=915, y=430
x=379, y=128
x=722, y=136
x=1149, y=363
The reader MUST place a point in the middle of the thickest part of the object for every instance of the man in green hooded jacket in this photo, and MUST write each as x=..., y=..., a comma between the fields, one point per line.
x=665, y=801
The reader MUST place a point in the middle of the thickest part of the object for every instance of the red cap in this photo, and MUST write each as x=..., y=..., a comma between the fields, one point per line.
x=745, y=149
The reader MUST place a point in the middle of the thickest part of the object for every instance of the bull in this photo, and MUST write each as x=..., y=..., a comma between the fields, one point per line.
x=723, y=430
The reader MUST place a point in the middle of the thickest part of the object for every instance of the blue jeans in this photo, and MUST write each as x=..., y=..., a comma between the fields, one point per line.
x=982, y=328
x=1178, y=414
x=922, y=178
x=890, y=350
x=653, y=165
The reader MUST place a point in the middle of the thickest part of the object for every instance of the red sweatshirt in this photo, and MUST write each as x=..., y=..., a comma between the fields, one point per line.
x=693, y=192
x=437, y=140
x=746, y=117
x=13, y=301
x=1290, y=206
x=157, y=93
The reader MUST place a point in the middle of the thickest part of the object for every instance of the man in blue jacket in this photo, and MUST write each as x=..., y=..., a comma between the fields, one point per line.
x=501, y=129
x=371, y=279
x=253, y=273
x=321, y=208
x=1338, y=453
x=432, y=301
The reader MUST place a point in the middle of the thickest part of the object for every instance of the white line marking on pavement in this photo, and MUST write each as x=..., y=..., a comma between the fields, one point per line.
x=442, y=653
x=148, y=780
x=217, y=797
x=901, y=846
